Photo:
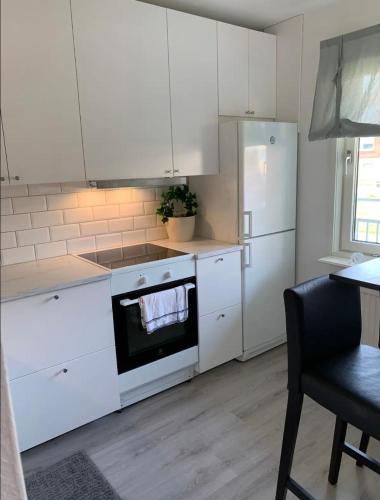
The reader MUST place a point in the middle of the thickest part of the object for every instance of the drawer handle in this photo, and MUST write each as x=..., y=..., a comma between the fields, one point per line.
x=56, y=297
x=220, y=259
x=221, y=316
x=65, y=370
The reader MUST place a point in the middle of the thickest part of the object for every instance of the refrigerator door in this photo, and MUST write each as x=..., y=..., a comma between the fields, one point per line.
x=267, y=177
x=268, y=268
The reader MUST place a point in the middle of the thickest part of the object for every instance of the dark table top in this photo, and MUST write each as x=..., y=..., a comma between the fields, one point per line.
x=366, y=275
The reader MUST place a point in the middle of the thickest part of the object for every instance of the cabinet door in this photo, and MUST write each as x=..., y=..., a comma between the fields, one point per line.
x=194, y=93
x=3, y=159
x=220, y=337
x=56, y=400
x=219, y=282
x=39, y=97
x=262, y=74
x=233, y=70
x=123, y=76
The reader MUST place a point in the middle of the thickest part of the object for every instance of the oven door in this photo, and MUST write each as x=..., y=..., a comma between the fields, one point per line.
x=134, y=347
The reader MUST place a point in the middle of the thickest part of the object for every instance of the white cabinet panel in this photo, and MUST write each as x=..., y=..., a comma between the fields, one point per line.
x=272, y=269
x=194, y=93
x=219, y=282
x=262, y=74
x=122, y=60
x=45, y=330
x=233, y=70
x=54, y=401
x=39, y=97
x=220, y=337
x=3, y=158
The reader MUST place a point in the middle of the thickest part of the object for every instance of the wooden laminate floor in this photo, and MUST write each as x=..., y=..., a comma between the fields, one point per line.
x=216, y=438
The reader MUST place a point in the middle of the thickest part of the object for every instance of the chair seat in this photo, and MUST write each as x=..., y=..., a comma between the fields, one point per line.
x=349, y=385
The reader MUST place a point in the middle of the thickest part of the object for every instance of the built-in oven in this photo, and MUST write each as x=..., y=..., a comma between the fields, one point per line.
x=134, y=347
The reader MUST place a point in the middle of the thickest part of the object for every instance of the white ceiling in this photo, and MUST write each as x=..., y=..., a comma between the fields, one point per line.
x=251, y=13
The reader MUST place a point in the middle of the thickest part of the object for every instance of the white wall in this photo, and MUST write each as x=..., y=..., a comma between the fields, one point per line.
x=316, y=171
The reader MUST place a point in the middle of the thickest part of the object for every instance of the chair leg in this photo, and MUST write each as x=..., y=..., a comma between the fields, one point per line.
x=292, y=420
x=337, y=449
x=363, y=447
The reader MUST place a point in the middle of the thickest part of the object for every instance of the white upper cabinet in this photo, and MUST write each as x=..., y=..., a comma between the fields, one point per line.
x=194, y=93
x=123, y=77
x=3, y=159
x=246, y=72
x=262, y=74
x=233, y=70
x=39, y=97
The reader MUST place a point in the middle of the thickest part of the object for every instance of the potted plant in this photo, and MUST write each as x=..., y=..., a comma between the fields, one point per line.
x=177, y=210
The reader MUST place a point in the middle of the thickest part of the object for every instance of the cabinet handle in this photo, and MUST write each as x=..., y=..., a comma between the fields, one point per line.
x=2, y=179
x=221, y=316
x=176, y=170
x=252, y=113
x=65, y=370
x=220, y=259
x=56, y=297
x=16, y=178
x=247, y=112
x=168, y=171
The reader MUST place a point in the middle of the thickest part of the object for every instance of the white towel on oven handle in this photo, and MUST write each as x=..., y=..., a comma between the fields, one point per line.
x=165, y=308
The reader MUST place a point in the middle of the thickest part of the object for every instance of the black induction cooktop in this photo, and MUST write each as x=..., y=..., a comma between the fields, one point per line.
x=131, y=255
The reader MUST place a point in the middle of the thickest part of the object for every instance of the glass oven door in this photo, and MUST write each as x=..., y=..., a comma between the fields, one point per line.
x=134, y=347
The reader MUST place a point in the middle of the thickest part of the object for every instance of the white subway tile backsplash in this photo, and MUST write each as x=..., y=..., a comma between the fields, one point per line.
x=64, y=232
x=122, y=195
x=15, y=222
x=32, y=236
x=131, y=209
x=111, y=240
x=150, y=207
x=144, y=221
x=106, y=212
x=17, y=255
x=14, y=191
x=92, y=228
x=60, y=201
x=45, y=219
x=6, y=206
x=140, y=194
x=91, y=198
x=77, y=215
x=117, y=225
x=81, y=245
x=47, y=250
x=156, y=233
x=133, y=237
x=24, y=205
x=36, y=189
x=8, y=240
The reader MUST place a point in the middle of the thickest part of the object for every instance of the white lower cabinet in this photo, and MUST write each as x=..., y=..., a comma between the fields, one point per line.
x=56, y=400
x=221, y=337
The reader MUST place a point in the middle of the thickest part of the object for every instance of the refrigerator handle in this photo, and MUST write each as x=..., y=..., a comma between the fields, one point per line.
x=250, y=224
x=249, y=263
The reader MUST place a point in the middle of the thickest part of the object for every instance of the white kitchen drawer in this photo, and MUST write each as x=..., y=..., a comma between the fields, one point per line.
x=51, y=402
x=219, y=282
x=48, y=329
x=136, y=280
x=220, y=337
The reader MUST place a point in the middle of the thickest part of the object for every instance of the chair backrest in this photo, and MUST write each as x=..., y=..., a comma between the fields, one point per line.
x=323, y=318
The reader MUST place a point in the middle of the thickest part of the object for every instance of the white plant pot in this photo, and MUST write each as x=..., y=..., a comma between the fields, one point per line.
x=180, y=228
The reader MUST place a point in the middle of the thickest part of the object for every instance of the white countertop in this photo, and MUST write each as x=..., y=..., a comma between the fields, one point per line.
x=201, y=248
x=33, y=278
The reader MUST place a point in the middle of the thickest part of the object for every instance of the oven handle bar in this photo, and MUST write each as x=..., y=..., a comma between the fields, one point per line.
x=130, y=302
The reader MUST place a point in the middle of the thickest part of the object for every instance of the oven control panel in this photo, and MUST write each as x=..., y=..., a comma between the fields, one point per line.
x=144, y=278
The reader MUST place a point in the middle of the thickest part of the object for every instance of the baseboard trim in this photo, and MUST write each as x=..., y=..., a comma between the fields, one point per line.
x=261, y=348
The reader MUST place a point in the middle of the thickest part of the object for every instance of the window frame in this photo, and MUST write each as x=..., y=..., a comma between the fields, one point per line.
x=345, y=201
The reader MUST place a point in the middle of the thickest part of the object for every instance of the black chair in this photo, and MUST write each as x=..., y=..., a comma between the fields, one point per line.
x=327, y=362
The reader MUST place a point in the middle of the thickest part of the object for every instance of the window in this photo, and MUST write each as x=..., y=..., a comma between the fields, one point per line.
x=360, y=195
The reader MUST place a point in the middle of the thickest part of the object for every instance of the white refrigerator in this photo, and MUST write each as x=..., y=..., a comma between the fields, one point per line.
x=253, y=202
